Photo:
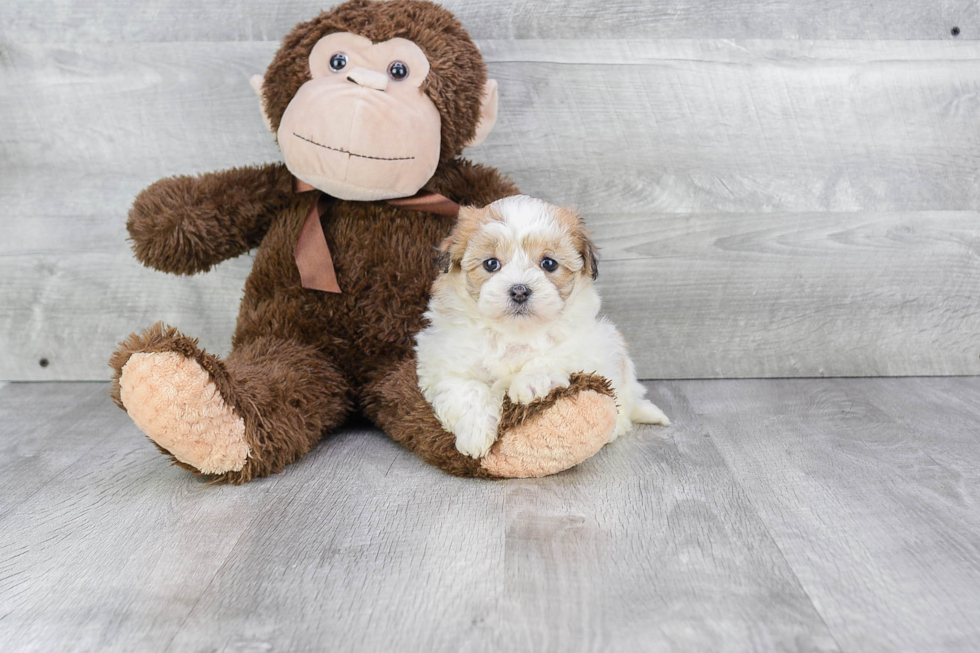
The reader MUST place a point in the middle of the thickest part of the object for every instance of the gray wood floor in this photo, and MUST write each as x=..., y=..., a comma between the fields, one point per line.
x=786, y=515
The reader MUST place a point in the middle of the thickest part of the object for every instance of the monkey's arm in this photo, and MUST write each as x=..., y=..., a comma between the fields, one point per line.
x=186, y=225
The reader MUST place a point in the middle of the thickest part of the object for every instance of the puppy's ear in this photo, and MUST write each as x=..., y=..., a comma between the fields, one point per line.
x=453, y=247
x=444, y=260
x=590, y=255
x=583, y=241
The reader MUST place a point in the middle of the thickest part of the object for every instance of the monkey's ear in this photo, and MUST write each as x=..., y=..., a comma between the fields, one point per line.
x=256, y=82
x=488, y=114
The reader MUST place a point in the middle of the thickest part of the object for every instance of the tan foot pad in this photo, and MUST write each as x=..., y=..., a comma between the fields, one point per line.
x=175, y=403
x=570, y=431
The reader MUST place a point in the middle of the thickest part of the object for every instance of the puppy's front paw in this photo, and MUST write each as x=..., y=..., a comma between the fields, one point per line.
x=526, y=387
x=475, y=432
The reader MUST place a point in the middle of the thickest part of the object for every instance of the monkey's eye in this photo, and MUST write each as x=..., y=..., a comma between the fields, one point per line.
x=549, y=264
x=397, y=71
x=491, y=265
x=338, y=62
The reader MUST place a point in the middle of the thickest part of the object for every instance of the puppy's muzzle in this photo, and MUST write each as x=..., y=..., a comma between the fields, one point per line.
x=519, y=293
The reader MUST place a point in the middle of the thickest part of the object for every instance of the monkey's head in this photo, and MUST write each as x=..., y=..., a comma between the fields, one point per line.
x=367, y=99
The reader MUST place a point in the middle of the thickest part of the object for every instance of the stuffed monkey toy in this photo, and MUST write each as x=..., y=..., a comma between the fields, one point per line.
x=371, y=104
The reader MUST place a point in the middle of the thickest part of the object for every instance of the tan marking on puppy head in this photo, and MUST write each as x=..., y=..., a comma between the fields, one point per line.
x=453, y=247
x=520, y=233
x=470, y=244
x=561, y=250
x=571, y=222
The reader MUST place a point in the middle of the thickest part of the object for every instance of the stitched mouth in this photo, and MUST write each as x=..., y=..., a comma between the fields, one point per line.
x=348, y=152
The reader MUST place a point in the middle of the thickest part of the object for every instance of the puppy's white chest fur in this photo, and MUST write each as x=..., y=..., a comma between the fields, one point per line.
x=509, y=358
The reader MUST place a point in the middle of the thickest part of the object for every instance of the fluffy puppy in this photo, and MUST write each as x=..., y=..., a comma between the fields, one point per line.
x=515, y=311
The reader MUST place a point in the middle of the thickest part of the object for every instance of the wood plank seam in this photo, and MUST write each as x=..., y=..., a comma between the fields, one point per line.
x=703, y=430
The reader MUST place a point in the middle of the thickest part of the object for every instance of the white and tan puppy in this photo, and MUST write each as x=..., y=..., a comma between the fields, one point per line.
x=515, y=312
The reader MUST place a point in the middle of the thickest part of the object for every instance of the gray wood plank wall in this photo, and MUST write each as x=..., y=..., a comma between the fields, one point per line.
x=779, y=189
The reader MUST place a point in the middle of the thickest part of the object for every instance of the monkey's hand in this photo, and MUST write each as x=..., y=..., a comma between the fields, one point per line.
x=186, y=225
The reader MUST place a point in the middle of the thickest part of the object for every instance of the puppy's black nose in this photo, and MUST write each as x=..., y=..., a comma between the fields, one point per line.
x=519, y=293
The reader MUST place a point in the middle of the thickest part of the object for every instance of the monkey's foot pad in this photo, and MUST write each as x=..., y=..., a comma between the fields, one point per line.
x=572, y=429
x=176, y=404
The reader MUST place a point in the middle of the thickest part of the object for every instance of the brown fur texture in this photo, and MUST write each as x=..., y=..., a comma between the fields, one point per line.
x=399, y=408
x=518, y=414
x=285, y=392
x=302, y=360
x=186, y=225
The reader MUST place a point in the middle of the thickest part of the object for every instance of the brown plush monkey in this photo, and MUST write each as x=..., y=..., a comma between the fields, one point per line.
x=369, y=101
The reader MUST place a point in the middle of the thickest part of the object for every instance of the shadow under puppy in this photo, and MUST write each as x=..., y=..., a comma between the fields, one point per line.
x=515, y=312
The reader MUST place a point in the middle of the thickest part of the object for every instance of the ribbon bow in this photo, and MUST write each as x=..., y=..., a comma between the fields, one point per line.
x=312, y=254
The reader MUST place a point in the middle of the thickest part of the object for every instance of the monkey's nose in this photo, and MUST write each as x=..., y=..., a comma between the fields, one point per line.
x=519, y=293
x=368, y=78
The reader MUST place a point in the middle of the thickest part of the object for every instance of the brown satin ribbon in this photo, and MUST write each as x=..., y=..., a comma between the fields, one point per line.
x=428, y=202
x=312, y=253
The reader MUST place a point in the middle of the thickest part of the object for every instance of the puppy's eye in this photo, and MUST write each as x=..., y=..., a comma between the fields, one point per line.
x=338, y=62
x=397, y=71
x=549, y=264
x=491, y=265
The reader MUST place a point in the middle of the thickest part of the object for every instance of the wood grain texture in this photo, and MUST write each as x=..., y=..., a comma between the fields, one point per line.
x=774, y=515
x=723, y=295
x=525, y=566
x=966, y=391
x=183, y=20
x=651, y=545
x=779, y=174
x=88, y=126
x=870, y=489
x=395, y=556
x=103, y=546
x=37, y=451
x=676, y=126
x=945, y=417
x=72, y=310
x=776, y=295
x=740, y=126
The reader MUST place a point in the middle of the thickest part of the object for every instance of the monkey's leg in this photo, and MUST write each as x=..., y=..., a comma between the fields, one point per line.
x=264, y=407
x=544, y=437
